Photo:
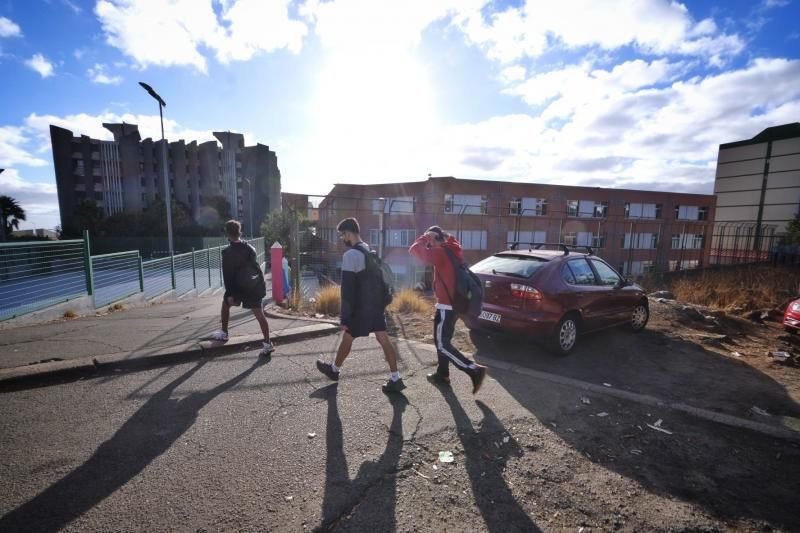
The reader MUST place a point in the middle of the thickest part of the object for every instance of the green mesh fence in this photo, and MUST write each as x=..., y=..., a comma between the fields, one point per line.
x=35, y=275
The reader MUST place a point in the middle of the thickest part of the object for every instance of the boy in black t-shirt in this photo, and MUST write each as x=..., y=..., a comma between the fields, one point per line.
x=244, y=284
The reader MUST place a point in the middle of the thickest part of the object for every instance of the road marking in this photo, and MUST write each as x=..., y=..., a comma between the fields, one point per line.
x=645, y=399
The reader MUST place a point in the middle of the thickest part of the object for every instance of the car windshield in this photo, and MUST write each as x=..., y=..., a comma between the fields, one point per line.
x=521, y=266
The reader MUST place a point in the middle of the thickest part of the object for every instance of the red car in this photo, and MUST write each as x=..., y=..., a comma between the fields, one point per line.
x=791, y=317
x=555, y=294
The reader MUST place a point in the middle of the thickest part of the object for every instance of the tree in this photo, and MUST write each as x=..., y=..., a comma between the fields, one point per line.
x=793, y=231
x=280, y=226
x=86, y=216
x=10, y=215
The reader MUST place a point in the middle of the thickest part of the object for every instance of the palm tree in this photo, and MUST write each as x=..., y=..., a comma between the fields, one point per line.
x=10, y=214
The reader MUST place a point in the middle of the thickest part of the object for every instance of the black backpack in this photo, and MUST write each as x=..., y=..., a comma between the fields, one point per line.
x=250, y=278
x=383, y=272
x=468, y=296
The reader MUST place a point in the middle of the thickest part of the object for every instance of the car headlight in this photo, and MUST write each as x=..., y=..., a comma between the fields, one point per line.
x=795, y=306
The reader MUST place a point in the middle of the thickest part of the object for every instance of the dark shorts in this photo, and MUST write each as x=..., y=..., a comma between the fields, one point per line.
x=250, y=302
x=362, y=326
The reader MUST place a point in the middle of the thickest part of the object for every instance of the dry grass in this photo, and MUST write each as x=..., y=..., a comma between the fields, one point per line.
x=69, y=313
x=742, y=289
x=329, y=300
x=410, y=301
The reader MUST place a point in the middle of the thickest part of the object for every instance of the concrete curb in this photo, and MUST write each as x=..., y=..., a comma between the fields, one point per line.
x=166, y=355
x=780, y=432
x=271, y=313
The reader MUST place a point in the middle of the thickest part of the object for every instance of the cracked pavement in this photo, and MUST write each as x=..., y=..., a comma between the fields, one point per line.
x=240, y=443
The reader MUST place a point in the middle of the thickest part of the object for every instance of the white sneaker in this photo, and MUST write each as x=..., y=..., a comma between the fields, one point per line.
x=266, y=349
x=219, y=335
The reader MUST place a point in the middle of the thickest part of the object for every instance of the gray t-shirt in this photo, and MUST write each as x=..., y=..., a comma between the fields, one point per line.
x=353, y=260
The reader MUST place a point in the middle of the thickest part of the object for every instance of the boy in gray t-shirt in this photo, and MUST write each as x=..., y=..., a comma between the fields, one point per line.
x=362, y=309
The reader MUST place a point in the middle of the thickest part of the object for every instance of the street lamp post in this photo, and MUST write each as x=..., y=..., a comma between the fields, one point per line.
x=250, y=201
x=2, y=222
x=167, y=195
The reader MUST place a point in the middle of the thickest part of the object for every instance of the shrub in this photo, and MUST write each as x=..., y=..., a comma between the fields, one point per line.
x=410, y=301
x=329, y=300
x=69, y=313
x=744, y=288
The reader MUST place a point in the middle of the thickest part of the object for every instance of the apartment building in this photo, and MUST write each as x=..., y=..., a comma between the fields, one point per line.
x=757, y=182
x=125, y=174
x=636, y=231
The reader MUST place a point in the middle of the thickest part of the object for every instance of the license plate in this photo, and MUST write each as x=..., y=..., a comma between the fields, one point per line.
x=491, y=317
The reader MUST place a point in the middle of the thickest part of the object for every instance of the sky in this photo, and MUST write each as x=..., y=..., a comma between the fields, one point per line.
x=632, y=94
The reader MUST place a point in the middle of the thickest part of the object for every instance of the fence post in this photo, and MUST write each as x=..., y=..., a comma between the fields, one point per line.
x=194, y=271
x=87, y=263
x=141, y=274
x=208, y=263
x=172, y=270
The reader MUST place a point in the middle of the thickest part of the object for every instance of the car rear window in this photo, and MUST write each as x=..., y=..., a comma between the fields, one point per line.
x=520, y=266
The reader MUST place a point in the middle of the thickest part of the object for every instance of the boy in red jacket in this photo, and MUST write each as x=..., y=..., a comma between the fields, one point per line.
x=429, y=248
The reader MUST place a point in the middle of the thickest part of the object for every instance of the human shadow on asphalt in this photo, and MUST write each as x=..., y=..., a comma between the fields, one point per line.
x=485, y=463
x=147, y=434
x=732, y=473
x=375, y=479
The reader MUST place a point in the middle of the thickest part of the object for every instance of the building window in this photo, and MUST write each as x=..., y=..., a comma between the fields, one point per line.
x=79, y=170
x=572, y=208
x=526, y=237
x=639, y=241
x=467, y=204
x=587, y=209
x=691, y=212
x=374, y=237
x=636, y=210
x=688, y=241
x=400, y=238
x=398, y=204
x=528, y=206
x=472, y=239
x=584, y=238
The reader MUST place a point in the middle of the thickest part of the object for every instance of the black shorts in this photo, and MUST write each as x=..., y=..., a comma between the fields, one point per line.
x=249, y=303
x=362, y=326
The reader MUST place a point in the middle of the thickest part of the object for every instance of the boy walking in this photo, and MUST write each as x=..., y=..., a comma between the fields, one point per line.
x=244, y=284
x=362, y=306
x=432, y=248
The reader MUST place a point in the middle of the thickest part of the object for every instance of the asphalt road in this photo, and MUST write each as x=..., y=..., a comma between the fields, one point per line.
x=234, y=443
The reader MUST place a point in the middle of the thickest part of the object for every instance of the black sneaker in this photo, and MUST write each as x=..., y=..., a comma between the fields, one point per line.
x=438, y=379
x=478, y=375
x=393, y=386
x=327, y=369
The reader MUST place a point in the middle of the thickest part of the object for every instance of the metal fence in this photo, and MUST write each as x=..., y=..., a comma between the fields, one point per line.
x=35, y=275
x=115, y=277
x=633, y=243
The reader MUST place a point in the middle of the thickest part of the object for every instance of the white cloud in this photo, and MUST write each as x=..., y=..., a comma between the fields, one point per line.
x=172, y=33
x=12, y=151
x=654, y=26
x=8, y=28
x=74, y=7
x=575, y=86
x=41, y=65
x=633, y=126
x=39, y=200
x=98, y=75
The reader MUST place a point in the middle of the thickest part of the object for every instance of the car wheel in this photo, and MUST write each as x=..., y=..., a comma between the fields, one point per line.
x=565, y=335
x=640, y=316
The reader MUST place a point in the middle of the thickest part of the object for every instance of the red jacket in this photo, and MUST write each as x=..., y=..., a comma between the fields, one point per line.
x=444, y=275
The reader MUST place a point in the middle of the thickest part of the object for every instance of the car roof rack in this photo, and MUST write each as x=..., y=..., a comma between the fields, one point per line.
x=514, y=245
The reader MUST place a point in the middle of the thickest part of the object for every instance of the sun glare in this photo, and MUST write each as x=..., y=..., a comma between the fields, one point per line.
x=370, y=110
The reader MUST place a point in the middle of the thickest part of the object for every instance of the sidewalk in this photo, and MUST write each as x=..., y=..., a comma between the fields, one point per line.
x=138, y=335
